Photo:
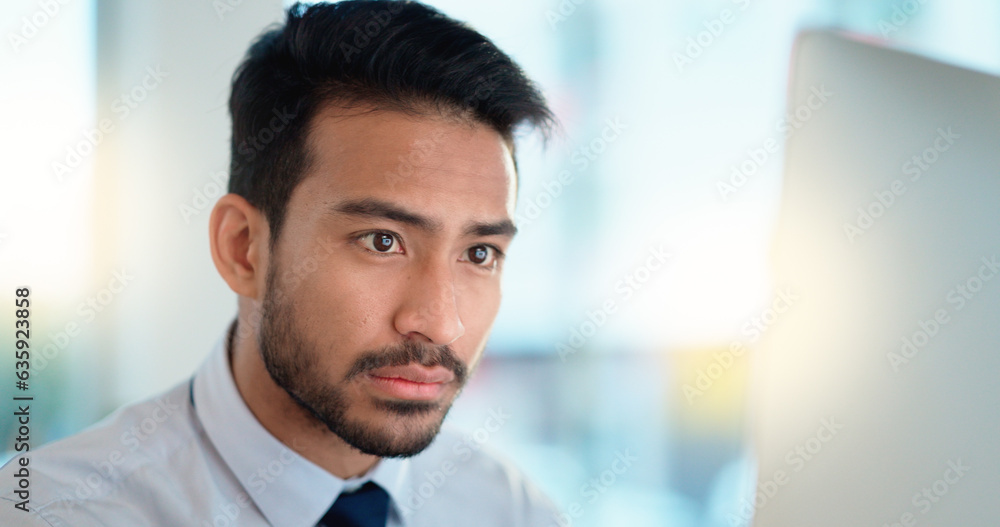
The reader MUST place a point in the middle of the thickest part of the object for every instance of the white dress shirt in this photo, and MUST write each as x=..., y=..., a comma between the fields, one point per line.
x=196, y=456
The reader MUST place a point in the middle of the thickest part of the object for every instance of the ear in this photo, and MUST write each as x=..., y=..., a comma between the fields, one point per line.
x=238, y=234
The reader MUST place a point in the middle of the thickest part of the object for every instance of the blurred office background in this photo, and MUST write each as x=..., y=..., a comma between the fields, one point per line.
x=669, y=190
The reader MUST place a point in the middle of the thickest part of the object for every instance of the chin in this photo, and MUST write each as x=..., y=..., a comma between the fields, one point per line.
x=394, y=439
x=391, y=427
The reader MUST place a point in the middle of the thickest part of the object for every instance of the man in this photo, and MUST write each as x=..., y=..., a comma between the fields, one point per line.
x=372, y=195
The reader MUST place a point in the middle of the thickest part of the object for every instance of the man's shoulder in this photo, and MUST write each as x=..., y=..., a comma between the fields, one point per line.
x=462, y=474
x=100, y=465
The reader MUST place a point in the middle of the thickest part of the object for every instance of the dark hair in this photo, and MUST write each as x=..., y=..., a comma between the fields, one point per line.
x=397, y=55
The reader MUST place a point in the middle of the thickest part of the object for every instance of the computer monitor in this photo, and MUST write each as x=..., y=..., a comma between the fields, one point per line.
x=877, y=393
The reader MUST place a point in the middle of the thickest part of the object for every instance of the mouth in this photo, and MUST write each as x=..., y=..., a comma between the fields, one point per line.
x=411, y=382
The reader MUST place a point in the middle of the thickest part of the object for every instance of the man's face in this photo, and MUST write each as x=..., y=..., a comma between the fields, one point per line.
x=385, y=279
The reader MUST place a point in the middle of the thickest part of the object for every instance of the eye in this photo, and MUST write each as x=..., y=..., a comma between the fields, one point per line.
x=484, y=255
x=381, y=242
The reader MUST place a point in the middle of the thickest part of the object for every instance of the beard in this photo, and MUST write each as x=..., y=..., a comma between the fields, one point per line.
x=398, y=428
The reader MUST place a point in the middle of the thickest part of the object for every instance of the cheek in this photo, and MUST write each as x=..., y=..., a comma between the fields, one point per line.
x=345, y=306
x=478, y=307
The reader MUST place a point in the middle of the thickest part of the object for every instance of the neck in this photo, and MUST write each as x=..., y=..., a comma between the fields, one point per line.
x=286, y=420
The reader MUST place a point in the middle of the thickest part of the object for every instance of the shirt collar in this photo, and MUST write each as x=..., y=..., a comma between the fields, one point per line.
x=288, y=489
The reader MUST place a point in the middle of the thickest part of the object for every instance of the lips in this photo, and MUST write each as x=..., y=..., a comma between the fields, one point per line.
x=415, y=373
x=411, y=382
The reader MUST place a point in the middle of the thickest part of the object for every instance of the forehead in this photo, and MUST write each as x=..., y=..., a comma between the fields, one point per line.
x=444, y=167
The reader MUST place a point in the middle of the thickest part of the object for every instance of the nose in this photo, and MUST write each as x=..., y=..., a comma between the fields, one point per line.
x=429, y=309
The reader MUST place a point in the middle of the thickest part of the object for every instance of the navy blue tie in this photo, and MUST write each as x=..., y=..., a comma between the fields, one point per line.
x=365, y=507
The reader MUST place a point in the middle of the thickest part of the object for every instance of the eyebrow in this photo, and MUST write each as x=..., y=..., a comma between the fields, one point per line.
x=375, y=208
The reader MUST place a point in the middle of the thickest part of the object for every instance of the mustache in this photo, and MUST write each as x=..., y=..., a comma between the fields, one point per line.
x=409, y=352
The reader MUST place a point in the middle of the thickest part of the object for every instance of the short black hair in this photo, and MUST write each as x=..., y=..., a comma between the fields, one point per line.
x=397, y=55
